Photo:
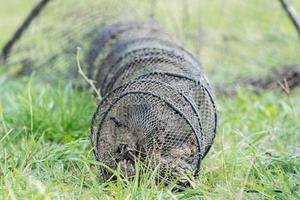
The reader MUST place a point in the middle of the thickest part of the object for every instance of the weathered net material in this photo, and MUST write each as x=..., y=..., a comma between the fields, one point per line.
x=114, y=33
x=156, y=102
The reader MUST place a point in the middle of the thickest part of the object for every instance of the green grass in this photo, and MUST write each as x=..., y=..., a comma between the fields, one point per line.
x=45, y=150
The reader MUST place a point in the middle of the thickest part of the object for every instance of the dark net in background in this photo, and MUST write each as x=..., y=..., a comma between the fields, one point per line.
x=232, y=39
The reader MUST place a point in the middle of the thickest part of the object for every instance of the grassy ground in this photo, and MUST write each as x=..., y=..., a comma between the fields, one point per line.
x=44, y=147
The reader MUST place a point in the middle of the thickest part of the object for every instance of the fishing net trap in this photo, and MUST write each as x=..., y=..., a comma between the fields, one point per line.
x=156, y=101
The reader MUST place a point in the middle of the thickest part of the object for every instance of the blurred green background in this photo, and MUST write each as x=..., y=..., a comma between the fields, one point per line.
x=232, y=39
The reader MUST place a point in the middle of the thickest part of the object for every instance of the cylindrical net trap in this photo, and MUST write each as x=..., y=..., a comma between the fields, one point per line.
x=156, y=101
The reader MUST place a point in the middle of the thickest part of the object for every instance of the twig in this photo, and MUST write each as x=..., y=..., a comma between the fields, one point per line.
x=2, y=139
x=285, y=86
x=153, y=8
x=256, y=191
x=240, y=194
x=291, y=12
x=17, y=35
x=84, y=76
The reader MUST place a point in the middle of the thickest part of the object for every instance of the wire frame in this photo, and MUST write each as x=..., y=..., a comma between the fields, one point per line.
x=198, y=94
x=147, y=54
x=150, y=125
x=112, y=34
x=157, y=102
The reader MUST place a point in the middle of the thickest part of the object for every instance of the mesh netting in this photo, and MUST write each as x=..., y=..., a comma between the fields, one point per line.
x=102, y=44
x=157, y=102
x=147, y=55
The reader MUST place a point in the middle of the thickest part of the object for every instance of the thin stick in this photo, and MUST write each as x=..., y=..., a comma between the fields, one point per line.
x=243, y=184
x=153, y=7
x=17, y=35
x=1, y=140
x=91, y=82
x=291, y=12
